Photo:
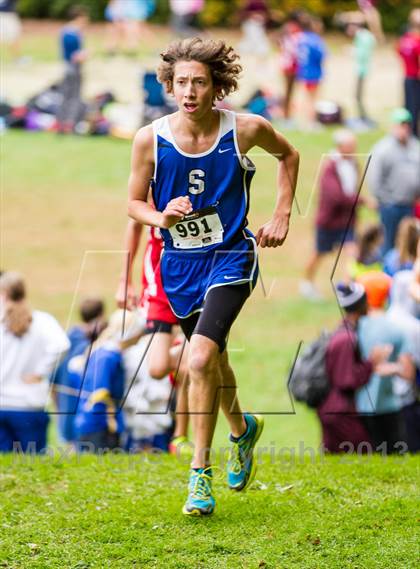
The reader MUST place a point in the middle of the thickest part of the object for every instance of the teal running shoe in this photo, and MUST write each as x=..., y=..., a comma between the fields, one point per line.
x=242, y=467
x=200, y=502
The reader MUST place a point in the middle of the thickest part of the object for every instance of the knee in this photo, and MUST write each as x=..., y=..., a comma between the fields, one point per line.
x=158, y=370
x=201, y=363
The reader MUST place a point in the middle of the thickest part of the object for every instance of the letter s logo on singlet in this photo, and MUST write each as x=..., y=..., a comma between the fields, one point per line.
x=196, y=180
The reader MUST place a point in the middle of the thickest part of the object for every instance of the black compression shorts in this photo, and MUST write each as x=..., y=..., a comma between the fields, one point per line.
x=158, y=326
x=220, y=309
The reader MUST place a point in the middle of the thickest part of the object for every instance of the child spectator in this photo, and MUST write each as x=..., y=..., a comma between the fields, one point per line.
x=71, y=108
x=402, y=256
x=409, y=51
x=311, y=55
x=369, y=256
x=342, y=429
x=31, y=344
x=99, y=420
x=80, y=337
x=377, y=401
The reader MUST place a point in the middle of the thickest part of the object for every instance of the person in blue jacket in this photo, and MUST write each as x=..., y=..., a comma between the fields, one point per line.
x=99, y=418
x=311, y=56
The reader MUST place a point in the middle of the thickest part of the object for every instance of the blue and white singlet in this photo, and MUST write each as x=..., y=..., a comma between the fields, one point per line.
x=211, y=246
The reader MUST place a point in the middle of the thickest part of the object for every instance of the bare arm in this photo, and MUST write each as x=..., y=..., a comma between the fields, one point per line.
x=257, y=131
x=125, y=295
x=404, y=368
x=142, y=169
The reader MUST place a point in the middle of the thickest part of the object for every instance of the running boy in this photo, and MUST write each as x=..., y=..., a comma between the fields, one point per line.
x=195, y=161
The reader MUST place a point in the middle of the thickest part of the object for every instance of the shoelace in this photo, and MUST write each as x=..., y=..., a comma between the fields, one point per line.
x=239, y=456
x=202, y=485
x=236, y=460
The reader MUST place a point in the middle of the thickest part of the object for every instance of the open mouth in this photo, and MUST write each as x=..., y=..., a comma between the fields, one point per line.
x=190, y=107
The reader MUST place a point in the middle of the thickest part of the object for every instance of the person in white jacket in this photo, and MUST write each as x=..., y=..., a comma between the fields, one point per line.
x=31, y=343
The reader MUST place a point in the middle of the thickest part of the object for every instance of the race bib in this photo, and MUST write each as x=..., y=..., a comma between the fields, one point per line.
x=200, y=228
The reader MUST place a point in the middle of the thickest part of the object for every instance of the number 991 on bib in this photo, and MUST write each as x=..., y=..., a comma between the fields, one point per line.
x=198, y=229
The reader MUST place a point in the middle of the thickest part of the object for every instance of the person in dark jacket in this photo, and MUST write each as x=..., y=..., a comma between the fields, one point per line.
x=342, y=428
x=336, y=215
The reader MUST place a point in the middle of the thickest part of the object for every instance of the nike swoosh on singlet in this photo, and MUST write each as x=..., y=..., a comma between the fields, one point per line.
x=222, y=151
x=229, y=278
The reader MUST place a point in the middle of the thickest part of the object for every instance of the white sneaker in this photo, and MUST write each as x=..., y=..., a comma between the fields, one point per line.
x=309, y=291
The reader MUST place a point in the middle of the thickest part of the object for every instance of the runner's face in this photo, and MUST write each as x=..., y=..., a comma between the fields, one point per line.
x=193, y=88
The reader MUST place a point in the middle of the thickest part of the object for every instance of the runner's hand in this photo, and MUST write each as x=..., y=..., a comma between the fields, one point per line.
x=120, y=295
x=175, y=211
x=273, y=233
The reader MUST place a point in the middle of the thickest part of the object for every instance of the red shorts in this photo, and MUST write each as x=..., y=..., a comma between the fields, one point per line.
x=153, y=300
x=311, y=85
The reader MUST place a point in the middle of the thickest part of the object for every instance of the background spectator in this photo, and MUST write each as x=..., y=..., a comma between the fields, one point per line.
x=347, y=371
x=394, y=175
x=363, y=45
x=147, y=415
x=80, y=337
x=71, y=108
x=338, y=189
x=401, y=314
x=184, y=16
x=255, y=14
x=288, y=44
x=369, y=256
x=311, y=55
x=31, y=344
x=99, y=419
x=409, y=50
x=377, y=401
x=10, y=27
x=403, y=255
x=373, y=18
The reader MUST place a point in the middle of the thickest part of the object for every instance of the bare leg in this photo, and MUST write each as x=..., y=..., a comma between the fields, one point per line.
x=204, y=395
x=289, y=82
x=312, y=266
x=159, y=355
x=311, y=97
x=229, y=398
x=181, y=412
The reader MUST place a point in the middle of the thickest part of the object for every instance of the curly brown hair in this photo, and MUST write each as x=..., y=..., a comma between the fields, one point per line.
x=220, y=58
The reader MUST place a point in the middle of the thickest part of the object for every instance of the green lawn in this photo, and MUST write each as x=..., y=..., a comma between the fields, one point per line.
x=63, y=217
x=115, y=512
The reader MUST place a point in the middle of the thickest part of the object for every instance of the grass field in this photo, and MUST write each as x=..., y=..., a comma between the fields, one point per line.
x=360, y=514
x=63, y=216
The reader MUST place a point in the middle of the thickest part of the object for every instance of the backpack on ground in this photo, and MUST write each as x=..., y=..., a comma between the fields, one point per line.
x=308, y=379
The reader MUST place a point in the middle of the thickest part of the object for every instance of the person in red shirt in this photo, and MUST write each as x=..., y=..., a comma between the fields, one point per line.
x=409, y=51
x=164, y=352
